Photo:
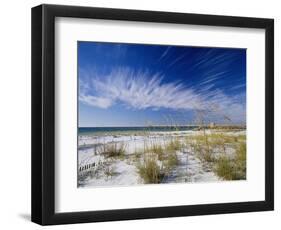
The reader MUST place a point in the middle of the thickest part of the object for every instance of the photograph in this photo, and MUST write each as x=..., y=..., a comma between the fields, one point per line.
x=158, y=114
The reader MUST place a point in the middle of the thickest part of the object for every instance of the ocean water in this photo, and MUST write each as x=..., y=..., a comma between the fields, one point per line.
x=88, y=131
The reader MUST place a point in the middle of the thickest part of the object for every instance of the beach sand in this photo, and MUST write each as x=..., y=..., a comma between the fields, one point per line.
x=95, y=169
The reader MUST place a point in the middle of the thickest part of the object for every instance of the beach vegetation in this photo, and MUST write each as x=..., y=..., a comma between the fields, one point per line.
x=212, y=148
x=150, y=170
x=113, y=149
x=158, y=160
x=170, y=161
x=232, y=168
x=158, y=150
x=173, y=145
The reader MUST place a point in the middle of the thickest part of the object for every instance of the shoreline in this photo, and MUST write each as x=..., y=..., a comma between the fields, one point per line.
x=130, y=130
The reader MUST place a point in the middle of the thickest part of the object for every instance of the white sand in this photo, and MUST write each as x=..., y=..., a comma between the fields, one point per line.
x=189, y=168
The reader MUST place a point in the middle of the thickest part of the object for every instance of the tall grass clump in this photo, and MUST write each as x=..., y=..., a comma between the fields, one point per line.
x=173, y=145
x=158, y=160
x=241, y=138
x=233, y=168
x=158, y=150
x=203, y=148
x=170, y=161
x=224, y=168
x=240, y=160
x=149, y=170
x=113, y=149
x=206, y=146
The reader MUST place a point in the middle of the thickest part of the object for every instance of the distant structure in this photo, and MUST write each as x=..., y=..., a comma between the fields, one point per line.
x=212, y=125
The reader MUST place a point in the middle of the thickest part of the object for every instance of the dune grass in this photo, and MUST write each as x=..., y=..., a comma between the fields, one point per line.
x=232, y=168
x=158, y=149
x=113, y=150
x=202, y=147
x=173, y=145
x=170, y=162
x=212, y=148
x=158, y=161
x=149, y=170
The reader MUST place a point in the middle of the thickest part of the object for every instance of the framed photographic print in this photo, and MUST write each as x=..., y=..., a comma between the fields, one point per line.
x=136, y=114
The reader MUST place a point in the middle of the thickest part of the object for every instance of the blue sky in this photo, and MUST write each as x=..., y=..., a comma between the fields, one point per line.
x=138, y=84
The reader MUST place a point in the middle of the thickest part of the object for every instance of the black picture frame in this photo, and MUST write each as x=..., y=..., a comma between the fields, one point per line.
x=43, y=114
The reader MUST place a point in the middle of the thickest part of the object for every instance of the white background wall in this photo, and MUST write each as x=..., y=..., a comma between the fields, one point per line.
x=15, y=113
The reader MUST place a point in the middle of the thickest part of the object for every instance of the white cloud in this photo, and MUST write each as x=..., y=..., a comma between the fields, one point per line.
x=142, y=90
x=95, y=101
x=212, y=78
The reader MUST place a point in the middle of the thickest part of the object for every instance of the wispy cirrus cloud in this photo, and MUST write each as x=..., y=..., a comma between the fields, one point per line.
x=139, y=90
x=164, y=54
x=212, y=77
x=96, y=101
